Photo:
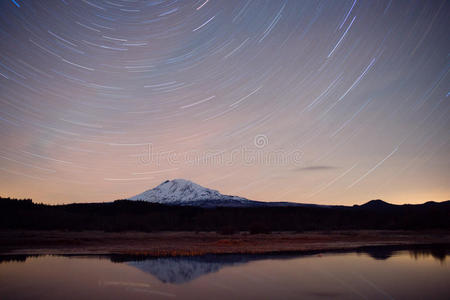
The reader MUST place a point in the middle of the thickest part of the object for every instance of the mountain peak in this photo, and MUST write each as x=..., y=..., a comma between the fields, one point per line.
x=181, y=191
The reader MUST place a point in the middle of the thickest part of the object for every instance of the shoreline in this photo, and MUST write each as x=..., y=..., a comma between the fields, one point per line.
x=163, y=244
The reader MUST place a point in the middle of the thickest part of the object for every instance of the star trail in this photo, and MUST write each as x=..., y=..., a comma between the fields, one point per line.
x=334, y=102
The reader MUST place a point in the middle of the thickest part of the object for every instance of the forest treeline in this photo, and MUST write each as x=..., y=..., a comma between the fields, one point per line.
x=124, y=215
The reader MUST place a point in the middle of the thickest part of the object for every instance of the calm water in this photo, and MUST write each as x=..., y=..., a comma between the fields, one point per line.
x=376, y=274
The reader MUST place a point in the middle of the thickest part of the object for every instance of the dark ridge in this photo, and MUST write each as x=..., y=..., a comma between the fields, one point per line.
x=125, y=215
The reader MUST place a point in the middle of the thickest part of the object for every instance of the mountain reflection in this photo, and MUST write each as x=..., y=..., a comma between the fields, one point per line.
x=183, y=269
x=178, y=270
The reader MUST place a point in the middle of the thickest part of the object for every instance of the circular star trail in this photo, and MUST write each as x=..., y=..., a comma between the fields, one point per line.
x=307, y=101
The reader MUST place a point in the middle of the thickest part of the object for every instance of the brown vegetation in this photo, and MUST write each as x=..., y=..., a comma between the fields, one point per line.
x=190, y=243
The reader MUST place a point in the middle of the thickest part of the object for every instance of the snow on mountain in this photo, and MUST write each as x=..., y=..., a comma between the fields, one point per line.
x=185, y=192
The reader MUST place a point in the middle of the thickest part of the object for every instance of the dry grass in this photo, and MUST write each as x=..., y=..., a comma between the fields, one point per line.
x=190, y=243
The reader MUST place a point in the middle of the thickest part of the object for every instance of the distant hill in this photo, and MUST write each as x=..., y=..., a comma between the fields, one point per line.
x=377, y=204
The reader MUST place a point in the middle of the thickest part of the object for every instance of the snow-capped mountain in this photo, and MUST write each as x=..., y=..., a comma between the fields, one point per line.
x=185, y=192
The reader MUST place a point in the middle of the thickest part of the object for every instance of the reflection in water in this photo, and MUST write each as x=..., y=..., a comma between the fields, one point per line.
x=183, y=269
x=438, y=252
x=179, y=270
x=13, y=258
x=368, y=273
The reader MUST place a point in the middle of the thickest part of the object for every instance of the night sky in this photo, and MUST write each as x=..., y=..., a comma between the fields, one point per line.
x=330, y=102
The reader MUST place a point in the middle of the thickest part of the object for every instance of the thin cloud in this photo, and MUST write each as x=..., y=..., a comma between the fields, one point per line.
x=315, y=168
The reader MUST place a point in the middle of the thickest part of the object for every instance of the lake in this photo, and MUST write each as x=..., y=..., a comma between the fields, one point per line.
x=370, y=274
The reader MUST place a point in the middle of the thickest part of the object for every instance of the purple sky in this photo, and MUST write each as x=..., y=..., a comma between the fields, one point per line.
x=334, y=102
